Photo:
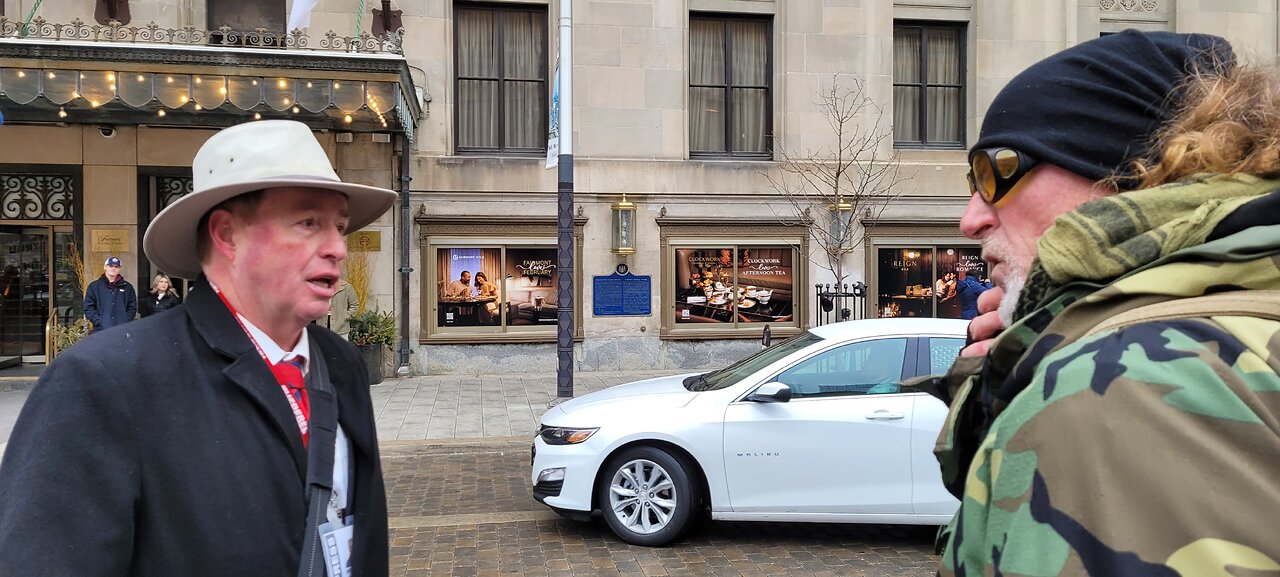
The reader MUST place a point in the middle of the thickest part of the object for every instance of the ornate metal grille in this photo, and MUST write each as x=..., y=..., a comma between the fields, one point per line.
x=170, y=188
x=1130, y=5
x=37, y=196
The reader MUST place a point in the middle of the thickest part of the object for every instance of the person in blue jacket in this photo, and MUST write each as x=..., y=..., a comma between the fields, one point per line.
x=967, y=291
x=110, y=300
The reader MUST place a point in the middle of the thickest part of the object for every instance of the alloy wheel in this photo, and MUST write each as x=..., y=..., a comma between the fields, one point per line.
x=642, y=495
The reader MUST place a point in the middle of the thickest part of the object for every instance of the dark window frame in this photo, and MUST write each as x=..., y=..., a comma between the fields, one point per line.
x=501, y=10
x=922, y=28
x=729, y=86
x=148, y=208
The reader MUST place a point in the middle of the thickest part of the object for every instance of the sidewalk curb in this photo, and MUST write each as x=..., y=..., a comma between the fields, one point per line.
x=444, y=442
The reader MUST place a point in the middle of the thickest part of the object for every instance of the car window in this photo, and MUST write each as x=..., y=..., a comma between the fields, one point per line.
x=751, y=364
x=864, y=368
x=942, y=353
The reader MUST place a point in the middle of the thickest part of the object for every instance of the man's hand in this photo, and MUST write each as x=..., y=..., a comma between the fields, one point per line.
x=984, y=327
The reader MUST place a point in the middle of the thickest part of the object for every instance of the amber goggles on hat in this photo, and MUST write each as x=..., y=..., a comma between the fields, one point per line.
x=993, y=172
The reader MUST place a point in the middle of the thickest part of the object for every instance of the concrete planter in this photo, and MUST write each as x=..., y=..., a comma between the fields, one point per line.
x=373, y=355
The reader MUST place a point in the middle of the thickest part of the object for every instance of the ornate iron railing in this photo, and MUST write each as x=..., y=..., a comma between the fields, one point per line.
x=841, y=301
x=152, y=33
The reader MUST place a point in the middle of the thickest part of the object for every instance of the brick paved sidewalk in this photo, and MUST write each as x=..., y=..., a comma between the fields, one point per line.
x=467, y=406
x=463, y=507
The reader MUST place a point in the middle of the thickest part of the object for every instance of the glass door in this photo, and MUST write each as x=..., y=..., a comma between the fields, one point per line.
x=24, y=292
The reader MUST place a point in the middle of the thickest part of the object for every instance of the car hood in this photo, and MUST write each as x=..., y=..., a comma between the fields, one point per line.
x=659, y=393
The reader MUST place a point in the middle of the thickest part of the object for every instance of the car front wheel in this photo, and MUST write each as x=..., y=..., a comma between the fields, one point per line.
x=647, y=496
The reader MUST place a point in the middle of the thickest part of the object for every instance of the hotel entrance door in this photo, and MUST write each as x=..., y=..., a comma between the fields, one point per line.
x=25, y=298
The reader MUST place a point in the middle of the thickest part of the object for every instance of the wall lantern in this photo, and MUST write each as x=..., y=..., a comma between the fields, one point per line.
x=841, y=226
x=624, y=227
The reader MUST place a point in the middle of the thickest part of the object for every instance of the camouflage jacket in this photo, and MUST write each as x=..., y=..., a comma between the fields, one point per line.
x=1151, y=449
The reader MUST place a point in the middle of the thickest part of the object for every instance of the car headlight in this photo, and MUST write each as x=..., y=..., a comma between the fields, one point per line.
x=565, y=435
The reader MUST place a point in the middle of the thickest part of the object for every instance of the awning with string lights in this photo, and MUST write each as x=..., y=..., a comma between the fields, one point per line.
x=144, y=83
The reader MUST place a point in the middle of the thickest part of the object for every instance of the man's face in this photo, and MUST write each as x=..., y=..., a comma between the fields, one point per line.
x=1009, y=232
x=466, y=277
x=288, y=256
x=112, y=271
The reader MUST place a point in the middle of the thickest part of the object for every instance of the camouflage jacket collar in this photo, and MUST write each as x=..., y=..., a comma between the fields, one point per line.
x=979, y=389
x=1113, y=236
x=1239, y=261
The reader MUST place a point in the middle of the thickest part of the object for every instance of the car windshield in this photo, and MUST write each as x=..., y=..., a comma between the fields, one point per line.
x=748, y=366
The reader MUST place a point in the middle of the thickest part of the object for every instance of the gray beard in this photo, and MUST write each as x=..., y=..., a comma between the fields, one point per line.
x=1009, y=302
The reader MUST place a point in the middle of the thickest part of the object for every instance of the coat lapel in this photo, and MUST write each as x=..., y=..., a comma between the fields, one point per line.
x=352, y=408
x=247, y=370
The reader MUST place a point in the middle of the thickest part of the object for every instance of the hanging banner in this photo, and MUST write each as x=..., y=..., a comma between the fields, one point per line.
x=553, y=128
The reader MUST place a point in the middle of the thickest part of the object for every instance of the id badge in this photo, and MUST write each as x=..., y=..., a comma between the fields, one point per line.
x=336, y=544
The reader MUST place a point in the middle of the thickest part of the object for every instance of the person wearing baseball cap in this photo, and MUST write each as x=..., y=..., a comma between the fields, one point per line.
x=110, y=300
x=231, y=435
x=1116, y=411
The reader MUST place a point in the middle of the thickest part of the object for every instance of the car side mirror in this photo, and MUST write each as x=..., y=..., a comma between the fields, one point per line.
x=774, y=392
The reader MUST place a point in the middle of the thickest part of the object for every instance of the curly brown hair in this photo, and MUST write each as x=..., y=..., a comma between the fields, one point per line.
x=1228, y=123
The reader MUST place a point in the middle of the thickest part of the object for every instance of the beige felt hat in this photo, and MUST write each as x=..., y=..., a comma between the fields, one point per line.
x=244, y=158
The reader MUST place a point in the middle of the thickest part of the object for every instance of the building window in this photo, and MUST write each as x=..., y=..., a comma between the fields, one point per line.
x=724, y=278
x=497, y=286
x=729, y=87
x=501, y=91
x=735, y=285
x=480, y=285
x=928, y=85
x=924, y=280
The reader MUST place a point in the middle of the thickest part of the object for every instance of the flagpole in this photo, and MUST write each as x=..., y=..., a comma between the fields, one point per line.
x=564, y=212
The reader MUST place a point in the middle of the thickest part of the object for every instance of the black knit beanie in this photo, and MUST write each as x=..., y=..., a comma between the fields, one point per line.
x=1093, y=108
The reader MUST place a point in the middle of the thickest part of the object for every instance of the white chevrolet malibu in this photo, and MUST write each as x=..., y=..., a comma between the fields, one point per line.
x=814, y=429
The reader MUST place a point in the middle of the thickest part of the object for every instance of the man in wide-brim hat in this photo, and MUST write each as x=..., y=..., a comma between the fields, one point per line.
x=229, y=435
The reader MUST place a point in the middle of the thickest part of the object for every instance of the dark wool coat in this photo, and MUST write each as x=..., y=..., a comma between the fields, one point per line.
x=106, y=307
x=148, y=305
x=123, y=463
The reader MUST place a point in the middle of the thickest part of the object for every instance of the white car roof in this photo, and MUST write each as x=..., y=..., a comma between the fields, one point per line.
x=872, y=327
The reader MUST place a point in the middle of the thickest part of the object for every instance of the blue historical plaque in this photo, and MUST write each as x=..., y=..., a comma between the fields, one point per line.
x=622, y=294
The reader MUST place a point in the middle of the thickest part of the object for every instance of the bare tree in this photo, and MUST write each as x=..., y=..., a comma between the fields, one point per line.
x=828, y=189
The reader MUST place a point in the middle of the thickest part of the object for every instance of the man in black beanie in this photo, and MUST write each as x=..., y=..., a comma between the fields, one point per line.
x=1105, y=398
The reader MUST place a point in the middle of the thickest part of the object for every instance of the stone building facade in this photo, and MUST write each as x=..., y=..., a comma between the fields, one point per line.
x=636, y=65
x=685, y=107
x=103, y=120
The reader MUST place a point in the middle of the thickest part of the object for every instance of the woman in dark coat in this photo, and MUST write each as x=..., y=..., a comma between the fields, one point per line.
x=161, y=298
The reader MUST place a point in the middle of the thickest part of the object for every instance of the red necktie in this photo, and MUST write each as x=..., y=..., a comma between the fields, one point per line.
x=289, y=373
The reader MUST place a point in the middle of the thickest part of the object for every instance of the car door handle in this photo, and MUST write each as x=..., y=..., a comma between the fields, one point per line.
x=883, y=415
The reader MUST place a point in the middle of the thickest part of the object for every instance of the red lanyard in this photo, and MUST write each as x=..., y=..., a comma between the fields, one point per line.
x=298, y=414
